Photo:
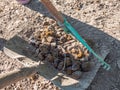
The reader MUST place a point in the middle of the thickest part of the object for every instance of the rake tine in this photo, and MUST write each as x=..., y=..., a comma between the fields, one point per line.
x=106, y=66
x=102, y=63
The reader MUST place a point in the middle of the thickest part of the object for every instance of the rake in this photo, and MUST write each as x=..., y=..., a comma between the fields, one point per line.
x=62, y=21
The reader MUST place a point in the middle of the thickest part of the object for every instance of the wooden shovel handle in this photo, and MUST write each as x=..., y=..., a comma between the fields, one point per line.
x=57, y=15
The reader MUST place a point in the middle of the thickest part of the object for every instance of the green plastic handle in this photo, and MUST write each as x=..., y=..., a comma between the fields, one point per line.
x=70, y=29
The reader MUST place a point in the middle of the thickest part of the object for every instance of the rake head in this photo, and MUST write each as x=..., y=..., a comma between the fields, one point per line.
x=69, y=29
x=105, y=65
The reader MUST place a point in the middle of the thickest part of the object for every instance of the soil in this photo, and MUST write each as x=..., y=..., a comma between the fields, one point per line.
x=98, y=20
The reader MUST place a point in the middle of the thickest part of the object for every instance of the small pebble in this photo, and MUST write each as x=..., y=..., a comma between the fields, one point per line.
x=37, y=43
x=86, y=66
x=69, y=48
x=40, y=56
x=69, y=37
x=79, y=55
x=86, y=53
x=50, y=58
x=46, y=23
x=76, y=66
x=77, y=74
x=50, y=39
x=53, y=44
x=37, y=51
x=1, y=32
x=43, y=40
x=34, y=78
x=68, y=62
x=32, y=41
x=60, y=65
x=69, y=70
x=56, y=62
x=73, y=50
x=62, y=39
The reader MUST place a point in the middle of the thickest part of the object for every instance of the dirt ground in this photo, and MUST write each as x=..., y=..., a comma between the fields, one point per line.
x=98, y=20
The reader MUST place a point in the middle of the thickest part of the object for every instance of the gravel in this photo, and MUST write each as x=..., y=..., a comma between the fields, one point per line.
x=98, y=20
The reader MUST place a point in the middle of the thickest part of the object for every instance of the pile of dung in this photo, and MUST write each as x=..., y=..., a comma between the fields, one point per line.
x=62, y=50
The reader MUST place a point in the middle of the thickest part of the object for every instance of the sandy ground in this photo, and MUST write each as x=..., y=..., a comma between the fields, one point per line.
x=95, y=19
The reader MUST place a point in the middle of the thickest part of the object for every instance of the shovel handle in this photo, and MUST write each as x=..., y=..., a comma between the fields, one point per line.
x=57, y=15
